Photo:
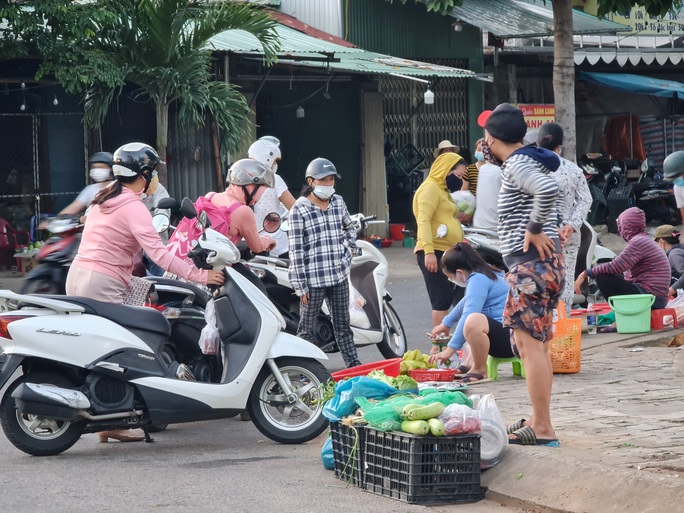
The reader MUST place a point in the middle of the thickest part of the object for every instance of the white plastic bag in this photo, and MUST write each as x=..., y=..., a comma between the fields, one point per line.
x=494, y=437
x=465, y=206
x=209, y=338
x=357, y=316
x=458, y=419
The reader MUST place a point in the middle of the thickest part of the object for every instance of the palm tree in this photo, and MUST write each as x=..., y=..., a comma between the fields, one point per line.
x=163, y=47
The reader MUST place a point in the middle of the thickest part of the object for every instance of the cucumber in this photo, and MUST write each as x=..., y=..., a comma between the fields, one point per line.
x=408, y=408
x=415, y=427
x=430, y=411
x=436, y=427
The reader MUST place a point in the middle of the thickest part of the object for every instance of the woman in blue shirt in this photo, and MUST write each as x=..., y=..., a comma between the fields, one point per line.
x=478, y=316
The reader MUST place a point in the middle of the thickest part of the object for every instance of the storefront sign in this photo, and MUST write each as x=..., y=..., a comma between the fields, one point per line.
x=536, y=114
x=642, y=24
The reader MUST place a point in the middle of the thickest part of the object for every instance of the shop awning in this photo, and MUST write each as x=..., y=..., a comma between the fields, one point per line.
x=632, y=56
x=527, y=18
x=330, y=53
x=636, y=84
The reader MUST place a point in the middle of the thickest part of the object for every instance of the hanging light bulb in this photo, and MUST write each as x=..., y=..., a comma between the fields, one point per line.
x=300, y=113
x=55, y=101
x=23, y=86
x=22, y=107
x=429, y=97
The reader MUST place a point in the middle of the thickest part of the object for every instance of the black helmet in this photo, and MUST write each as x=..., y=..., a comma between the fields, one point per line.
x=134, y=158
x=673, y=165
x=101, y=157
x=320, y=168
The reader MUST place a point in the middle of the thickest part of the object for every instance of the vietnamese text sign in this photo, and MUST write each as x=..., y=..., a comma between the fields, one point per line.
x=536, y=114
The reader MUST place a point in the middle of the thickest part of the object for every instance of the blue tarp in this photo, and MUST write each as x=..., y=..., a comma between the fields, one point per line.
x=636, y=84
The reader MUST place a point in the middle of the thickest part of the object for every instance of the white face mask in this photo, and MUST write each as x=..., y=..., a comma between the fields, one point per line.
x=324, y=192
x=456, y=280
x=99, y=175
x=275, y=168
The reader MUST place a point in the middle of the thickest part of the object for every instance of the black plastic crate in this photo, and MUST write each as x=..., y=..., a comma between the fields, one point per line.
x=620, y=198
x=423, y=470
x=348, y=452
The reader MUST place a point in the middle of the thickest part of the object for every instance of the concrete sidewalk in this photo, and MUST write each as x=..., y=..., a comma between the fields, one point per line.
x=619, y=420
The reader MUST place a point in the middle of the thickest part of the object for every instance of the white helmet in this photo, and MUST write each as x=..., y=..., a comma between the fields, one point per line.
x=265, y=152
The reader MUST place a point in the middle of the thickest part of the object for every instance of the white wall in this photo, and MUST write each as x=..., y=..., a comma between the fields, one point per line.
x=325, y=15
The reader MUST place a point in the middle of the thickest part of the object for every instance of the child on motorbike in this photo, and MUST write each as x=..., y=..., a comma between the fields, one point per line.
x=267, y=152
x=322, y=237
x=119, y=226
x=478, y=317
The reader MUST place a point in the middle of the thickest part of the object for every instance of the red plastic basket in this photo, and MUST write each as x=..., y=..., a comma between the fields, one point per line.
x=391, y=368
x=432, y=374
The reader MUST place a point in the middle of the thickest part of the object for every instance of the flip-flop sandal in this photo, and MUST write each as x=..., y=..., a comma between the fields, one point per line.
x=462, y=370
x=515, y=426
x=525, y=436
x=471, y=378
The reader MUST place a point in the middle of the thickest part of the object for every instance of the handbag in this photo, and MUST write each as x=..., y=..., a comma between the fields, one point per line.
x=137, y=292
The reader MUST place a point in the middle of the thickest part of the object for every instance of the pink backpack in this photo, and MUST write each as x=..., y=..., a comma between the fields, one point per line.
x=185, y=237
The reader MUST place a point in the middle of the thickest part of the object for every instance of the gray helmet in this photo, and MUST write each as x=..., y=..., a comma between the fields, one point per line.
x=134, y=159
x=101, y=157
x=673, y=165
x=320, y=168
x=250, y=171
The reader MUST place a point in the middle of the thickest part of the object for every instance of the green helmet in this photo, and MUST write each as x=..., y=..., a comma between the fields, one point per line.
x=673, y=165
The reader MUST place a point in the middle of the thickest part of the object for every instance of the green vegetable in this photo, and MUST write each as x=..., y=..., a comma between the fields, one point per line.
x=381, y=376
x=415, y=427
x=430, y=411
x=327, y=391
x=408, y=408
x=436, y=427
x=402, y=382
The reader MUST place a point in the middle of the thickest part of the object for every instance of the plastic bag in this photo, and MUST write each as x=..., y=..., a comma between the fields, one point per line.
x=209, y=338
x=347, y=391
x=327, y=457
x=458, y=419
x=494, y=437
x=465, y=206
x=357, y=316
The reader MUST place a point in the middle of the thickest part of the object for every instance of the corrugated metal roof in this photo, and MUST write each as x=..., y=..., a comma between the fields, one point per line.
x=299, y=46
x=527, y=18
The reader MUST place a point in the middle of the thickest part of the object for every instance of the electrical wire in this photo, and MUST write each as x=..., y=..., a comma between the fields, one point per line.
x=290, y=105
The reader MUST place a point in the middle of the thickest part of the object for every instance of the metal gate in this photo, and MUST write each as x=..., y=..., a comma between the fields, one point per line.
x=42, y=161
x=408, y=120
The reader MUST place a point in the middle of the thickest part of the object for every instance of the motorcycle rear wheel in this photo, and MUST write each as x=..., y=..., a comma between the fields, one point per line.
x=33, y=434
x=40, y=286
x=394, y=339
x=275, y=417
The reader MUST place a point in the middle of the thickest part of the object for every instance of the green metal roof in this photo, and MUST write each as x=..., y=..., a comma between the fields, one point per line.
x=527, y=18
x=298, y=46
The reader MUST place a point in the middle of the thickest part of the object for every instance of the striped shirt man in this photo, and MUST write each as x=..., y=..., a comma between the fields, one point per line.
x=527, y=201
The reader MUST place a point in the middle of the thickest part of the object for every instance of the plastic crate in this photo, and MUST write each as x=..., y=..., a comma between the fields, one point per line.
x=349, y=464
x=421, y=469
x=620, y=198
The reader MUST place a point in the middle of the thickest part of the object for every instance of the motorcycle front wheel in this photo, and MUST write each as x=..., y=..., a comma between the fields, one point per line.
x=275, y=417
x=40, y=286
x=34, y=434
x=393, y=343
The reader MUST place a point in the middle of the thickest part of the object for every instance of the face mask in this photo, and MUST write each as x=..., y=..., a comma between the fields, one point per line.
x=152, y=188
x=488, y=155
x=99, y=175
x=679, y=181
x=458, y=281
x=324, y=192
x=479, y=156
x=275, y=168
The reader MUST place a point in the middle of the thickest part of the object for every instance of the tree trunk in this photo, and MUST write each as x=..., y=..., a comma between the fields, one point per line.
x=564, y=74
x=162, y=112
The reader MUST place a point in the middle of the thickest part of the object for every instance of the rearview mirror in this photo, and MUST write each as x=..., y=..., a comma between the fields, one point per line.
x=272, y=222
x=204, y=220
x=160, y=223
x=188, y=208
x=167, y=203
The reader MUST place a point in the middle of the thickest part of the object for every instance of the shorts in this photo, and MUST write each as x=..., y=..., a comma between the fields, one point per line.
x=534, y=290
x=499, y=339
x=440, y=290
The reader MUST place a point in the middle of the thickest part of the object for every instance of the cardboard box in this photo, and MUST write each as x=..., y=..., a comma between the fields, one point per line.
x=26, y=262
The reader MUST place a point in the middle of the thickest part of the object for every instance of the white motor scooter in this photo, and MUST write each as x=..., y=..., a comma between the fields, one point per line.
x=89, y=366
x=374, y=320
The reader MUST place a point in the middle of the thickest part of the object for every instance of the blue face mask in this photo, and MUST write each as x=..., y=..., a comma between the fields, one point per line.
x=679, y=181
x=479, y=156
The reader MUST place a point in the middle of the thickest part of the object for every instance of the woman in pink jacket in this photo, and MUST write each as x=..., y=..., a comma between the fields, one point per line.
x=118, y=226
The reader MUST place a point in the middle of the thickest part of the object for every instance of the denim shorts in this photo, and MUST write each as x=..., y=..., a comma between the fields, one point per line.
x=534, y=290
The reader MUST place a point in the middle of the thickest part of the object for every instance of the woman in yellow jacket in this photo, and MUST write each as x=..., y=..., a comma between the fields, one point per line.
x=438, y=230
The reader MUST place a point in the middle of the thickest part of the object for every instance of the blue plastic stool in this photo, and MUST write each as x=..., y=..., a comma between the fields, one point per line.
x=493, y=367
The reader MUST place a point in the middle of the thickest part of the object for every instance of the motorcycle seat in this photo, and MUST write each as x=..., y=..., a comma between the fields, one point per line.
x=134, y=317
x=278, y=262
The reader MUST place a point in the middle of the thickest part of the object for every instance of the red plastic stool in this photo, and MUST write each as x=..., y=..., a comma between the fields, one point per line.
x=657, y=317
